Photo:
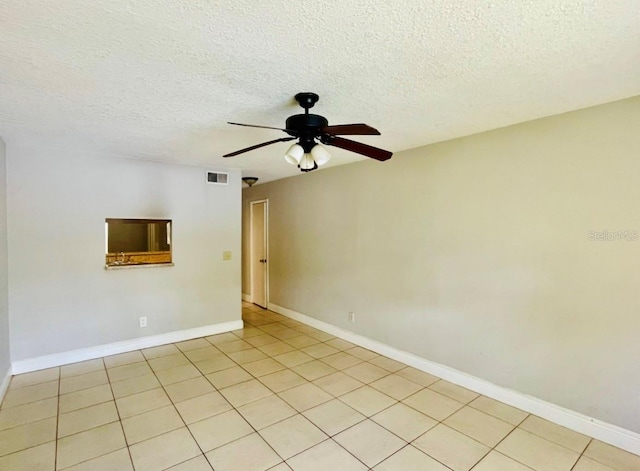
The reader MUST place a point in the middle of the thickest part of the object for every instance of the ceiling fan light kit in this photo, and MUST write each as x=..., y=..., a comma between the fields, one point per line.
x=310, y=129
x=320, y=154
x=294, y=154
x=307, y=163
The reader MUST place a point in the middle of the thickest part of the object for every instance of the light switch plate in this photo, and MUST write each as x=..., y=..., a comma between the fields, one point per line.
x=226, y=255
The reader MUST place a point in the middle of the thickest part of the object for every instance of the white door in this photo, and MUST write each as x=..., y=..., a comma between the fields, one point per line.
x=259, y=259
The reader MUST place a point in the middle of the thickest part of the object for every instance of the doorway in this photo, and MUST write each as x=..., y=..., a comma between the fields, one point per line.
x=259, y=230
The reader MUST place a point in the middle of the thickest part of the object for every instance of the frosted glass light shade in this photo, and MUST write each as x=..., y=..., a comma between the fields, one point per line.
x=294, y=154
x=320, y=154
x=307, y=163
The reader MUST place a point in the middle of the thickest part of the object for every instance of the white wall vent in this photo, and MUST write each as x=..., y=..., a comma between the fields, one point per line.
x=218, y=178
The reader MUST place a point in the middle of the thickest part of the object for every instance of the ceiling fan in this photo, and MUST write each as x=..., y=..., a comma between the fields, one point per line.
x=308, y=129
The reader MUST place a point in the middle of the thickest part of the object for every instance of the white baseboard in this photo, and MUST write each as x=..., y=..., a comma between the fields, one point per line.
x=74, y=356
x=4, y=384
x=608, y=433
x=247, y=297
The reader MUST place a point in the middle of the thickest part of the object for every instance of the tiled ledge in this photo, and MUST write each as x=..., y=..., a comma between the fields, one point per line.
x=137, y=265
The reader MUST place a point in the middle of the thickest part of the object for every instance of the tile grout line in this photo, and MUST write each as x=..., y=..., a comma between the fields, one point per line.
x=216, y=390
x=34, y=421
x=467, y=405
x=128, y=446
x=494, y=448
x=234, y=407
x=164, y=389
x=329, y=437
x=498, y=451
x=437, y=392
x=582, y=454
x=115, y=404
x=202, y=374
x=441, y=422
x=113, y=399
x=55, y=456
x=86, y=407
x=307, y=381
x=438, y=422
x=277, y=395
x=407, y=443
x=389, y=373
x=153, y=371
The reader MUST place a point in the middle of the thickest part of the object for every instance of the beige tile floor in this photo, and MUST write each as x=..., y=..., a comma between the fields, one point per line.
x=277, y=395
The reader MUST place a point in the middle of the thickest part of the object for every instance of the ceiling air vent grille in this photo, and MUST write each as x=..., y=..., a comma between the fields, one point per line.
x=218, y=178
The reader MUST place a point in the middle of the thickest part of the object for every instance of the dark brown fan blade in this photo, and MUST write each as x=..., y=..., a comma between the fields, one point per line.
x=257, y=146
x=360, y=129
x=358, y=147
x=258, y=126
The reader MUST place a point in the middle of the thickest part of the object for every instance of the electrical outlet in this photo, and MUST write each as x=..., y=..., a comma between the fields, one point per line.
x=352, y=317
x=143, y=321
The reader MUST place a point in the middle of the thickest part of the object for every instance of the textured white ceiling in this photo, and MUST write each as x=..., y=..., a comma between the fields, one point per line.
x=158, y=79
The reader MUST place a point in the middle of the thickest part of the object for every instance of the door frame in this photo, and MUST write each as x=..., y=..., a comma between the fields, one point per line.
x=266, y=247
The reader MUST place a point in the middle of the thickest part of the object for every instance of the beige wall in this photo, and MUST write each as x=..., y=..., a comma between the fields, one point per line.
x=475, y=253
x=4, y=295
x=60, y=296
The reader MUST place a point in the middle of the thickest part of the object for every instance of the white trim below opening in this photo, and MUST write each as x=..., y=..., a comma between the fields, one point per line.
x=90, y=353
x=608, y=433
x=4, y=384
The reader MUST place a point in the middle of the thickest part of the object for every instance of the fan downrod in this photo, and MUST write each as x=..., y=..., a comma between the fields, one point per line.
x=307, y=100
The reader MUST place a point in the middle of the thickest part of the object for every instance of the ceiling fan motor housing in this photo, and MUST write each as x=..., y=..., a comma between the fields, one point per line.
x=306, y=127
